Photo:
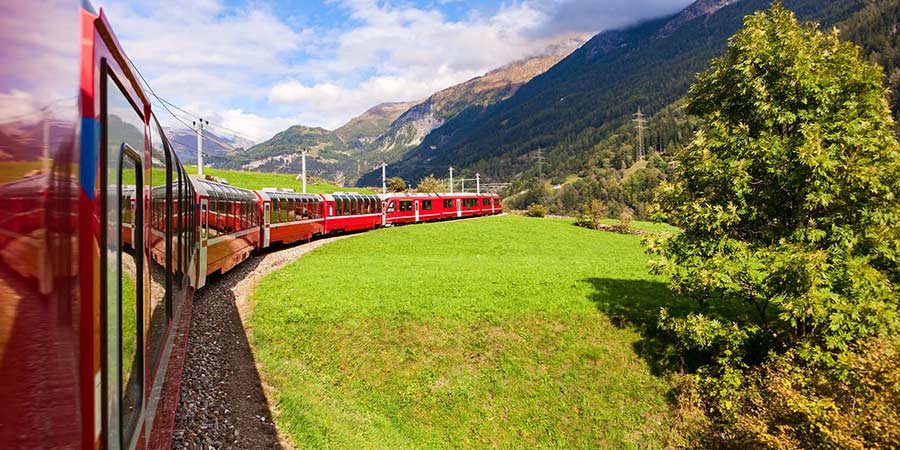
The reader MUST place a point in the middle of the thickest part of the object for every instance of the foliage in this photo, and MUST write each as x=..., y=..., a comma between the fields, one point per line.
x=430, y=185
x=788, y=204
x=395, y=184
x=504, y=342
x=536, y=210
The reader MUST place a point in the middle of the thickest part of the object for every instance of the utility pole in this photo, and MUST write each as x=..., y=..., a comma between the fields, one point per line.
x=463, y=188
x=478, y=183
x=451, y=179
x=303, y=153
x=199, y=127
x=383, y=177
x=639, y=123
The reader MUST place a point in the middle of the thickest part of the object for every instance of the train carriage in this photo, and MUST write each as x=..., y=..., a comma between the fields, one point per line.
x=348, y=212
x=290, y=217
x=229, y=226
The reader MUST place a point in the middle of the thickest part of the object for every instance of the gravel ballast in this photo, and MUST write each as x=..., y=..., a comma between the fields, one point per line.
x=222, y=404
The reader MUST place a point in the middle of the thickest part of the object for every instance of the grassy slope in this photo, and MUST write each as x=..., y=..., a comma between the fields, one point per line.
x=491, y=332
x=259, y=180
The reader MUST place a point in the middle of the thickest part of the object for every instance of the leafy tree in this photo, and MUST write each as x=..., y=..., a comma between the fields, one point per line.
x=789, y=202
x=430, y=185
x=396, y=184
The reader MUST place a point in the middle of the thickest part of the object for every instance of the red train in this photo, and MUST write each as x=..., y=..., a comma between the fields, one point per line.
x=104, y=238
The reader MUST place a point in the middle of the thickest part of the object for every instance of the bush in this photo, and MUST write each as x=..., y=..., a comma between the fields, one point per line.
x=625, y=221
x=395, y=184
x=536, y=210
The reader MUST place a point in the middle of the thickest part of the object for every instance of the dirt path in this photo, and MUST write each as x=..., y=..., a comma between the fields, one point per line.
x=222, y=403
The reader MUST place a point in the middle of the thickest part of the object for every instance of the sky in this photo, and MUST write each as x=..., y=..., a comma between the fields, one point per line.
x=260, y=66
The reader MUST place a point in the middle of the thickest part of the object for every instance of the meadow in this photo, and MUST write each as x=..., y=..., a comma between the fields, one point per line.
x=260, y=180
x=499, y=332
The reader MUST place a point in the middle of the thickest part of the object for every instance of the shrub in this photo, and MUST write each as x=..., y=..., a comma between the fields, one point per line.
x=536, y=210
x=430, y=185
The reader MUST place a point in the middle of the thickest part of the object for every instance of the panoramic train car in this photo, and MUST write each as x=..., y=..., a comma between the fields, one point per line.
x=229, y=226
x=97, y=254
x=411, y=208
x=290, y=217
x=349, y=211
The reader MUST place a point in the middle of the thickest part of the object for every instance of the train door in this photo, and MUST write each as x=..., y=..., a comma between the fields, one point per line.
x=204, y=239
x=267, y=220
x=416, y=206
x=459, y=207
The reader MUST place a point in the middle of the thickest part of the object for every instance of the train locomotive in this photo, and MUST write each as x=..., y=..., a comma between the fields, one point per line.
x=105, y=237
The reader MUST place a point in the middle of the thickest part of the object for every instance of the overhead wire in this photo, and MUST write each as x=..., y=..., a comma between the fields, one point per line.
x=165, y=104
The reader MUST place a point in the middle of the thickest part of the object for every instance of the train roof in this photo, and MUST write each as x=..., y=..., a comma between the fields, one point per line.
x=222, y=191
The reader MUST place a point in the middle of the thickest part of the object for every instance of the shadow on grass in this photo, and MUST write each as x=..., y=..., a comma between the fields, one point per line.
x=636, y=304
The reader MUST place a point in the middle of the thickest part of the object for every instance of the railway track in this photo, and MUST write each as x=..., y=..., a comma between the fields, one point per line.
x=222, y=404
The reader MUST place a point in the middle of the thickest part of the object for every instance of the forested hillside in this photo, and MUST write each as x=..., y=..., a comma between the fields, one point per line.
x=578, y=114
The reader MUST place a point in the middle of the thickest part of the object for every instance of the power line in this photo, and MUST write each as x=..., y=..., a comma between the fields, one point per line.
x=165, y=103
x=639, y=121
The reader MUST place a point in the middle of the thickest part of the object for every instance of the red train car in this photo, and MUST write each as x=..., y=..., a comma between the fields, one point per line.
x=290, y=217
x=412, y=208
x=347, y=212
x=96, y=282
x=230, y=226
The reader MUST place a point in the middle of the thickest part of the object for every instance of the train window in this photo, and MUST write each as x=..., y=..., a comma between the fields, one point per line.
x=292, y=212
x=448, y=204
x=391, y=206
x=426, y=205
x=486, y=202
x=123, y=132
x=160, y=244
x=406, y=205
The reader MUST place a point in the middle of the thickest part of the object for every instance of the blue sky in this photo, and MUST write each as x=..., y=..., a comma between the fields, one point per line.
x=259, y=66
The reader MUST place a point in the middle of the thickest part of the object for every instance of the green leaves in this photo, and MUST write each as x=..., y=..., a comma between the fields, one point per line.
x=788, y=202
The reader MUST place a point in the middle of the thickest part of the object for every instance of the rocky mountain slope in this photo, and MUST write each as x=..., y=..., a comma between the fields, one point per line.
x=410, y=129
x=386, y=131
x=364, y=129
x=573, y=107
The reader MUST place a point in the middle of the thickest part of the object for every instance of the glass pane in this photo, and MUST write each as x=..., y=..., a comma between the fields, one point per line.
x=130, y=326
x=124, y=258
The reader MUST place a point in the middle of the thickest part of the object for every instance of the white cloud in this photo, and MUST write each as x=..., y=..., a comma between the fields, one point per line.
x=410, y=54
x=263, y=70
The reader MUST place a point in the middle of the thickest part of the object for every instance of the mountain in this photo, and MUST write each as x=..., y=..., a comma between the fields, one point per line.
x=328, y=155
x=184, y=143
x=362, y=130
x=410, y=129
x=387, y=130
x=585, y=98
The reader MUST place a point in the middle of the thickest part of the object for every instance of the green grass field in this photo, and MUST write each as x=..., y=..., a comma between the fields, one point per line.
x=501, y=332
x=260, y=180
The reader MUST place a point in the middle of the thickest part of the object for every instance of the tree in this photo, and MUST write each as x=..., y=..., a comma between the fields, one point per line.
x=396, y=184
x=430, y=185
x=789, y=202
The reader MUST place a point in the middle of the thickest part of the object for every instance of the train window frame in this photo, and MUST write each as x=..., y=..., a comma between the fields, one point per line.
x=127, y=432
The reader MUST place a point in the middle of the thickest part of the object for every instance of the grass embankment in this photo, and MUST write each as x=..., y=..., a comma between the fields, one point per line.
x=260, y=180
x=495, y=332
